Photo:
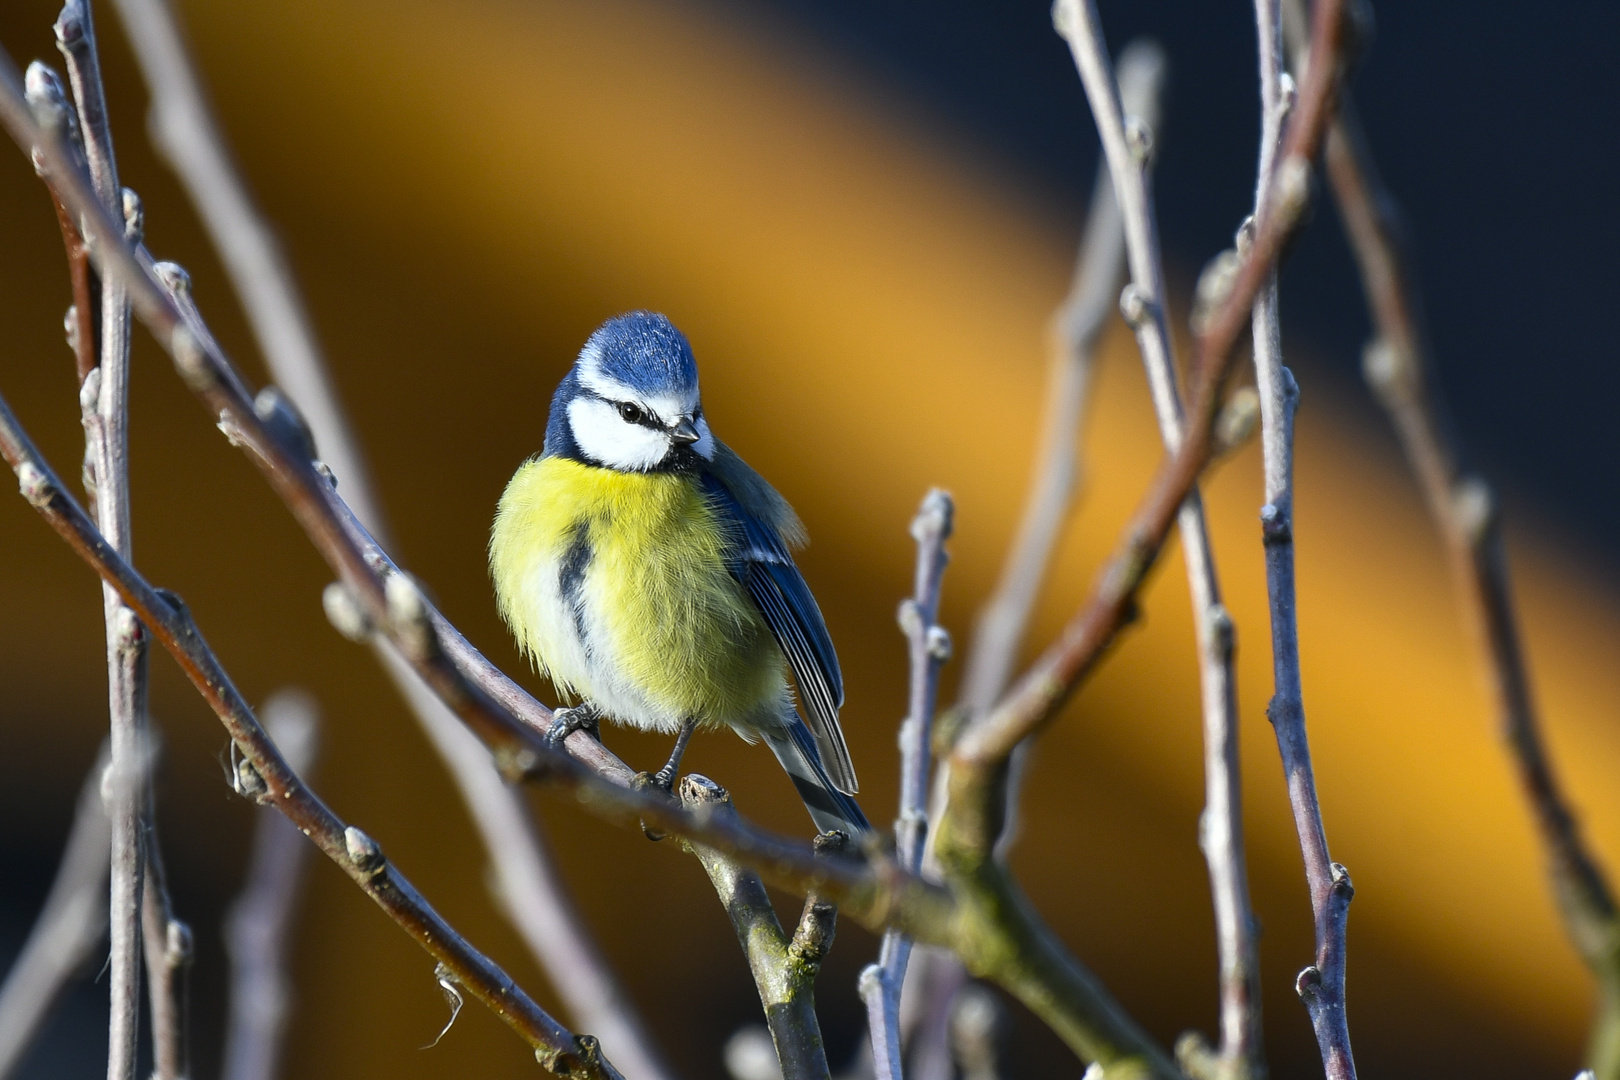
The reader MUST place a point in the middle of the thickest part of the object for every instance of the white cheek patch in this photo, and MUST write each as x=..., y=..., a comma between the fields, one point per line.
x=705, y=444
x=604, y=437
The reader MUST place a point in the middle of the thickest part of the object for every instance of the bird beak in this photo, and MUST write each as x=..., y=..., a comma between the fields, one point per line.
x=685, y=432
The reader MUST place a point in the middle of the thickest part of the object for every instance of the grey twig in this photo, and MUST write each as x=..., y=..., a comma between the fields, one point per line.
x=1399, y=369
x=258, y=928
x=556, y=1048
x=784, y=968
x=167, y=943
x=1127, y=145
x=929, y=646
x=531, y=892
x=104, y=395
x=1322, y=985
x=70, y=926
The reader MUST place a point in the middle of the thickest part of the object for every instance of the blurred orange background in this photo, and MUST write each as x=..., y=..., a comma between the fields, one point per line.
x=466, y=192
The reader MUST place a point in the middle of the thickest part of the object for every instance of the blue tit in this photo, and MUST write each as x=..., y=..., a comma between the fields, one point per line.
x=645, y=569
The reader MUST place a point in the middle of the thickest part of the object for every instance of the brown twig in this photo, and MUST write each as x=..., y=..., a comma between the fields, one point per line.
x=929, y=646
x=69, y=927
x=784, y=969
x=104, y=396
x=1399, y=368
x=1127, y=146
x=556, y=1048
x=258, y=927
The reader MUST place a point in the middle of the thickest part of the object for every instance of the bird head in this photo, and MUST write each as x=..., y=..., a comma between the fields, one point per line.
x=631, y=401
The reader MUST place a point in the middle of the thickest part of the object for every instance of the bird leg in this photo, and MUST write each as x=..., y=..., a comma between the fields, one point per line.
x=665, y=777
x=564, y=722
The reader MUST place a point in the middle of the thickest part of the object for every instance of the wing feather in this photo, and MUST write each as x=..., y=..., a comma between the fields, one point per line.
x=765, y=567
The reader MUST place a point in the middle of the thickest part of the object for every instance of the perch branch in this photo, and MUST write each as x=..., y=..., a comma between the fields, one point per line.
x=1127, y=146
x=68, y=929
x=1399, y=368
x=530, y=890
x=104, y=396
x=929, y=647
x=1322, y=985
x=556, y=1048
x=258, y=927
x=784, y=969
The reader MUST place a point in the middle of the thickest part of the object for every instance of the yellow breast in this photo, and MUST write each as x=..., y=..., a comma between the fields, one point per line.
x=617, y=585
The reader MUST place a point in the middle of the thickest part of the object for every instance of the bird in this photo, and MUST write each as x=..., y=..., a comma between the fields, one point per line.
x=646, y=570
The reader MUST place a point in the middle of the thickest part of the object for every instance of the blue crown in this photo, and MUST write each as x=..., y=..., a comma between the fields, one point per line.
x=644, y=351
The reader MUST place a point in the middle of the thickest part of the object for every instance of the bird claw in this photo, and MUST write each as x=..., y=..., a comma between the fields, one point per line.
x=564, y=722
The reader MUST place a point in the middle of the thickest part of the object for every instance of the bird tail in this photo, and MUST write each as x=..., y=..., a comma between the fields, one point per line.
x=829, y=808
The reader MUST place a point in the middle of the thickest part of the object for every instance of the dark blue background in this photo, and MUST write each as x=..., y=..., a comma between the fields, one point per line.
x=1495, y=125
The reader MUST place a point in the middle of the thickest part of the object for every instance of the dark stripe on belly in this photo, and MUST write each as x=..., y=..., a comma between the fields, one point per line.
x=571, y=578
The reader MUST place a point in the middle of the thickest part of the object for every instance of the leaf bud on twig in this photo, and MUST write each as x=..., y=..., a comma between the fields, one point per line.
x=364, y=852
x=1238, y=420
x=1214, y=286
x=1139, y=140
x=134, y=216
x=344, y=613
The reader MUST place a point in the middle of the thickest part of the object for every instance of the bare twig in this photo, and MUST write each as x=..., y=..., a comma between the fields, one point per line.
x=104, y=395
x=784, y=969
x=167, y=943
x=1400, y=371
x=1127, y=146
x=258, y=928
x=929, y=647
x=531, y=891
x=978, y=1034
x=556, y=1048
x=1321, y=985
x=69, y=927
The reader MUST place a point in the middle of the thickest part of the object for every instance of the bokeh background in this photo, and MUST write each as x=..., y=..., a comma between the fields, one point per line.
x=862, y=214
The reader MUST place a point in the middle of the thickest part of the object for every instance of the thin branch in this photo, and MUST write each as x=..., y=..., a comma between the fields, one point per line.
x=104, y=395
x=70, y=926
x=979, y=1034
x=784, y=969
x=556, y=1048
x=167, y=944
x=531, y=891
x=258, y=927
x=929, y=647
x=1127, y=146
x=1321, y=986
x=1400, y=370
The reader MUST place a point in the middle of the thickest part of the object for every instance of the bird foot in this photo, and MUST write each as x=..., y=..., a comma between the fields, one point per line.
x=564, y=722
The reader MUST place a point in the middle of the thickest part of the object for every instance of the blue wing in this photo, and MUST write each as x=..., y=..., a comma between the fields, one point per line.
x=766, y=569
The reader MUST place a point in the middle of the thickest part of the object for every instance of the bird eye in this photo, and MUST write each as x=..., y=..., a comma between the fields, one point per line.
x=631, y=413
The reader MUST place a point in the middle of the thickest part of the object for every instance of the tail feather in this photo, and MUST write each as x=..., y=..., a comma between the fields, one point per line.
x=795, y=747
